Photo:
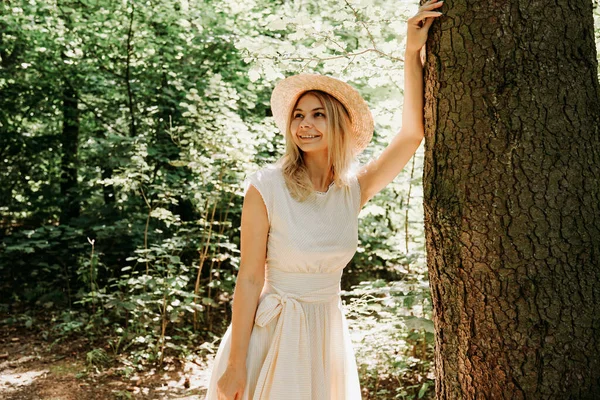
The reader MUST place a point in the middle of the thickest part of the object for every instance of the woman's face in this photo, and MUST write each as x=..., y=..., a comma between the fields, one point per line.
x=309, y=124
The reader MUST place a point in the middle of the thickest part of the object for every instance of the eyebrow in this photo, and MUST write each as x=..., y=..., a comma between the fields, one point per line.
x=314, y=109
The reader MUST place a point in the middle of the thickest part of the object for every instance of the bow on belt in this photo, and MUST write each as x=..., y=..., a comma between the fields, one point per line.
x=287, y=364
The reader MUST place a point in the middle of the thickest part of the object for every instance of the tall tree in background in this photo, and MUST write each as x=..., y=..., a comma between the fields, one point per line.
x=70, y=193
x=512, y=199
x=70, y=207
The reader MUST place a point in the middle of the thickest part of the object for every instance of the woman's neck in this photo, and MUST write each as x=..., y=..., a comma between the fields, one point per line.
x=319, y=171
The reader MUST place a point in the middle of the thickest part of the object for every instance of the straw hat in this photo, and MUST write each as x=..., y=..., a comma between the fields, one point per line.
x=287, y=92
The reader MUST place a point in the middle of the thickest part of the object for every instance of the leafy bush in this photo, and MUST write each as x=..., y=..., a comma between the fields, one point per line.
x=393, y=335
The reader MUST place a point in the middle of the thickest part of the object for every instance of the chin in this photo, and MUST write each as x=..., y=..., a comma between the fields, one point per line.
x=312, y=149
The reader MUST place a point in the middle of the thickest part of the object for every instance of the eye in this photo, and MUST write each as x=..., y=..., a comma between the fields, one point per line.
x=298, y=115
x=319, y=114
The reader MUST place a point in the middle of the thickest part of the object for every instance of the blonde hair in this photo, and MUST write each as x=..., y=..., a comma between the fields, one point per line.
x=339, y=149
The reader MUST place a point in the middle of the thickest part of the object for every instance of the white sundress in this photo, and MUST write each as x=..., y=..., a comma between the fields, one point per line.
x=300, y=346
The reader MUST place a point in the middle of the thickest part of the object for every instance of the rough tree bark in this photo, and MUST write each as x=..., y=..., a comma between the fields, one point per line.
x=512, y=199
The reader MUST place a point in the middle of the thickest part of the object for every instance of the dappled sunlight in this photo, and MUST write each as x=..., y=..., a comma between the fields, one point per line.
x=199, y=374
x=12, y=381
x=173, y=381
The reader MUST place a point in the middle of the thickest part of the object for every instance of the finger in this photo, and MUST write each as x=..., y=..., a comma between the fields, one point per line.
x=422, y=15
x=431, y=6
x=428, y=23
x=425, y=14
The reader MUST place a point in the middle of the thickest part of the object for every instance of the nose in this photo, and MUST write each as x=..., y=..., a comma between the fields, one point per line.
x=306, y=123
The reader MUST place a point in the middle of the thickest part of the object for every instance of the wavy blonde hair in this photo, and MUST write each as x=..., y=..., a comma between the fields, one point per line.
x=339, y=149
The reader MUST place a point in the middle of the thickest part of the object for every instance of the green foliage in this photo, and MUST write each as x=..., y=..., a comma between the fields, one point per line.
x=122, y=395
x=97, y=358
x=393, y=334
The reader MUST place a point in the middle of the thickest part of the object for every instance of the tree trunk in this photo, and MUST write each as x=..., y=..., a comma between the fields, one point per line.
x=512, y=199
x=69, y=142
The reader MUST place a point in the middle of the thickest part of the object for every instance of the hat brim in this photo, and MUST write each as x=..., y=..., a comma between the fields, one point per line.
x=287, y=91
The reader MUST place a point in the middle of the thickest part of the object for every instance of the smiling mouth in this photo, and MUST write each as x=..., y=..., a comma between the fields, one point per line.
x=309, y=136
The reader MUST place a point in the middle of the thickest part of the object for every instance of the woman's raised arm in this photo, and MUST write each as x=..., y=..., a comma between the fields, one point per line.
x=377, y=174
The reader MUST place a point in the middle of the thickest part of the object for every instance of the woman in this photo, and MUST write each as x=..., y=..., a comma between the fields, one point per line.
x=289, y=338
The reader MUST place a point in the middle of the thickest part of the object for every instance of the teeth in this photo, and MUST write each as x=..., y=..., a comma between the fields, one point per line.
x=308, y=137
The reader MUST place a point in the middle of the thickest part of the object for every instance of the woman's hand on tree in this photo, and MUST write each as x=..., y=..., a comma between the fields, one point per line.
x=231, y=384
x=419, y=24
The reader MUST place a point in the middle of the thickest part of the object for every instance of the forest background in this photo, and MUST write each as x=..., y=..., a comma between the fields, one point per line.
x=126, y=130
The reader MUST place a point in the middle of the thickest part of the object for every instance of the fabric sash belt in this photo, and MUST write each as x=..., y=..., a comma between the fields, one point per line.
x=288, y=361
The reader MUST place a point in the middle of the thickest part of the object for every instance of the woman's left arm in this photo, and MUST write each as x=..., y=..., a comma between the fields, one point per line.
x=378, y=173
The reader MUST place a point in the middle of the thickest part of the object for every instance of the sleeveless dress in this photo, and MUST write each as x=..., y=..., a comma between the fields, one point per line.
x=300, y=346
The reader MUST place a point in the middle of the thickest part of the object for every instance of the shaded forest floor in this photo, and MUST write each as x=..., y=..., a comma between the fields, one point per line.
x=32, y=368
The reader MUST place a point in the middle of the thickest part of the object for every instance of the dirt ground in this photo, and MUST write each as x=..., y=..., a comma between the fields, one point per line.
x=32, y=369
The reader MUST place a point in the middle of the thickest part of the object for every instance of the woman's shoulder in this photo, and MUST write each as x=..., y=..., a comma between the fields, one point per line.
x=267, y=171
x=271, y=168
x=264, y=176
